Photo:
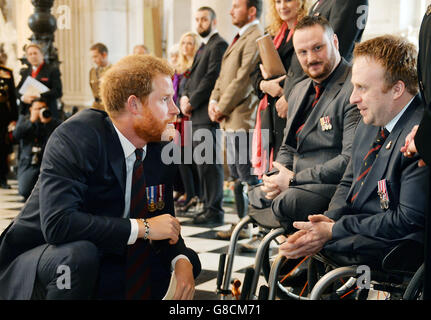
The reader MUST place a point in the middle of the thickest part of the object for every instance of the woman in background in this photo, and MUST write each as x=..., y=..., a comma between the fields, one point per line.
x=283, y=16
x=188, y=46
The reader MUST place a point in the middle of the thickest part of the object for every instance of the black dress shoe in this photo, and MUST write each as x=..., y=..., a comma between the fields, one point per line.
x=4, y=185
x=208, y=217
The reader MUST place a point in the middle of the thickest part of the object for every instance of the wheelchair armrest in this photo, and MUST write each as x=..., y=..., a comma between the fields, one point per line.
x=406, y=257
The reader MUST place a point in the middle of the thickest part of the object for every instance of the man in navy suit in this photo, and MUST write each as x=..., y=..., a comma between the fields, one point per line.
x=194, y=103
x=383, y=196
x=100, y=222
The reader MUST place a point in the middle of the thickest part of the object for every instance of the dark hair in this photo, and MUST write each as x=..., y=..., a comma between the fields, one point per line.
x=311, y=21
x=257, y=4
x=41, y=100
x=100, y=47
x=210, y=10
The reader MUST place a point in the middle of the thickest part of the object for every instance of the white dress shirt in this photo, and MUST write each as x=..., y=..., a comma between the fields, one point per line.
x=129, y=154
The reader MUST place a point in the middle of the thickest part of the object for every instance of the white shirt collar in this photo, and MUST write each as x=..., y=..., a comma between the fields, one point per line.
x=391, y=125
x=127, y=146
x=208, y=37
x=248, y=25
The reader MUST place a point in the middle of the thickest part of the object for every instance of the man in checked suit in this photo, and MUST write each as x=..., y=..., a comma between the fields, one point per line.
x=194, y=103
x=87, y=231
x=383, y=196
x=233, y=103
x=319, y=129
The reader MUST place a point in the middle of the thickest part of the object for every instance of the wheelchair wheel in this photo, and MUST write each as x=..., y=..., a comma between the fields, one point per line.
x=339, y=284
x=415, y=286
x=287, y=289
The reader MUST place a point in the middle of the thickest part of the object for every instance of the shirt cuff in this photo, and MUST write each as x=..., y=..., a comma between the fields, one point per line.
x=134, y=232
x=174, y=261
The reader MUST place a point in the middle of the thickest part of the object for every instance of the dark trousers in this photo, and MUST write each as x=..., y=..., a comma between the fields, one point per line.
x=27, y=178
x=296, y=203
x=209, y=166
x=238, y=148
x=67, y=272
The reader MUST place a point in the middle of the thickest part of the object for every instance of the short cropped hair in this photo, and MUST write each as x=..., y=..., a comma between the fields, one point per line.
x=213, y=15
x=397, y=55
x=257, y=4
x=100, y=47
x=311, y=21
x=33, y=45
x=132, y=75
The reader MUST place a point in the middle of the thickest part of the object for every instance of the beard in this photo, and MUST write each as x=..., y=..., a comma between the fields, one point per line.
x=152, y=129
x=206, y=32
x=328, y=66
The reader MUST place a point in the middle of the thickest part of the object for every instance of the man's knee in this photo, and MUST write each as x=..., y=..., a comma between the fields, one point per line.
x=68, y=271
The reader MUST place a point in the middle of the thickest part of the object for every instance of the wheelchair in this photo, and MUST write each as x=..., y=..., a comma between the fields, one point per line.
x=263, y=218
x=399, y=275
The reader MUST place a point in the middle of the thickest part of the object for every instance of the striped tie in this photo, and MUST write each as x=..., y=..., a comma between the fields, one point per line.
x=369, y=159
x=138, y=262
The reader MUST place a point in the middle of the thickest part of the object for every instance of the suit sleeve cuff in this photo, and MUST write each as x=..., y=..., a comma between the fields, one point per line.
x=134, y=232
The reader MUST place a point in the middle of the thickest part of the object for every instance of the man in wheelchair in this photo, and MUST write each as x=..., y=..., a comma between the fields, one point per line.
x=383, y=197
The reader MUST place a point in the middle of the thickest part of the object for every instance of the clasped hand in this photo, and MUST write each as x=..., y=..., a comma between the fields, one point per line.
x=277, y=183
x=310, y=238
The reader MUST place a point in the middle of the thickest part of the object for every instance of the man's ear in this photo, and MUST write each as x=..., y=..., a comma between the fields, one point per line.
x=134, y=105
x=398, y=89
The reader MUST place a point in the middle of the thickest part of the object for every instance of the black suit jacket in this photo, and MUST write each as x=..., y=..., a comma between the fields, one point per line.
x=203, y=76
x=80, y=196
x=347, y=18
x=270, y=119
x=424, y=73
x=364, y=227
x=51, y=77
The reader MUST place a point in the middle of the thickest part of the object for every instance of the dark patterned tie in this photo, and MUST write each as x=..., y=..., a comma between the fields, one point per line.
x=138, y=263
x=369, y=159
x=319, y=91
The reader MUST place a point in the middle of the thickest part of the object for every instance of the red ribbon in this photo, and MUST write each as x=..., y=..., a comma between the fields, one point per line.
x=259, y=160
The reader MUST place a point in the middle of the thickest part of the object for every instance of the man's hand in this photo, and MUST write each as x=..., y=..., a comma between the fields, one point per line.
x=185, y=281
x=282, y=107
x=214, y=112
x=409, y=149
x=29, y=98
x=161, y=228
x=272, y=87
x=277, y=183
x=310, y=238
x=185, y=106
x=34, y=114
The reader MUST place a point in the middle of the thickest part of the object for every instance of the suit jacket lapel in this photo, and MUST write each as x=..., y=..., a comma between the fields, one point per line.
x=199, y=57
x=116, y=155
x=324, y=103
x=241, y=39
x=295, y=109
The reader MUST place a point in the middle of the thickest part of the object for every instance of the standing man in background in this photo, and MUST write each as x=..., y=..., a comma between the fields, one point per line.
x=194, y=104
x=233, y=102
x=99, y=55
x=48, y=75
